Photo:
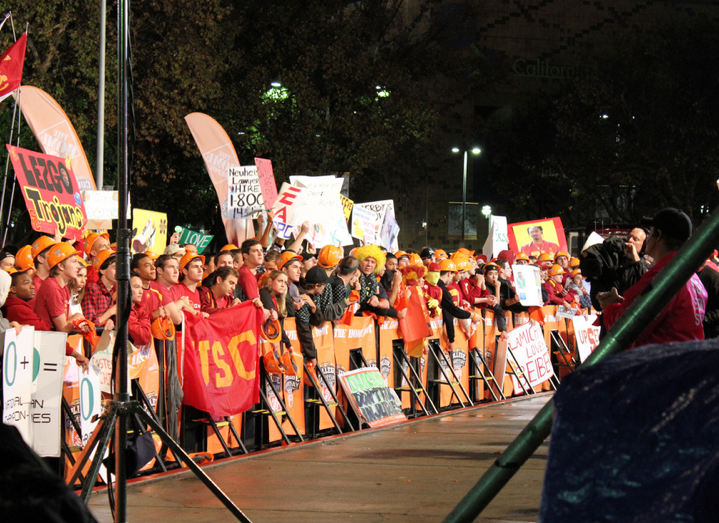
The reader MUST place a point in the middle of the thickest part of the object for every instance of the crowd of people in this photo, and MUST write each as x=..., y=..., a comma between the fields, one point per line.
x=51, y=285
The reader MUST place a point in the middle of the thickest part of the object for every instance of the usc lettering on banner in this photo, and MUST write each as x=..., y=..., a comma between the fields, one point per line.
x=221, y=361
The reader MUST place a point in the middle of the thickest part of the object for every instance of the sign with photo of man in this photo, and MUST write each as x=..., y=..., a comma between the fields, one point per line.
x=537, y=236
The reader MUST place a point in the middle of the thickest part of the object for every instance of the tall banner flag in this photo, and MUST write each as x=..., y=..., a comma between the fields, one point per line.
x=55, y=133
x=219, y=155
x=11, y=63
x=51, y=193
x=221, y=361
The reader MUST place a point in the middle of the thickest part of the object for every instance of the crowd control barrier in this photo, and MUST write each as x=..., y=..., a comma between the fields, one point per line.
x=305, y=403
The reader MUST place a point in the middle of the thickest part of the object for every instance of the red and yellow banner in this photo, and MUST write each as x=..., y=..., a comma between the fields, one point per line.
x=11, y=65
x=51, y=193
x=221, y=361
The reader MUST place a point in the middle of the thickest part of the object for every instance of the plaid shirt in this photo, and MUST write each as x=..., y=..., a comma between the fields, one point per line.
x=96, y=301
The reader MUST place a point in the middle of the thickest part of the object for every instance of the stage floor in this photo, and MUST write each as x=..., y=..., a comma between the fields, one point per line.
x=413, y=472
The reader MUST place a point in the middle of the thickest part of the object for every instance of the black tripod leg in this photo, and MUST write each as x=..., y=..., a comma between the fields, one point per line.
x=100, y=444
x=194, y=467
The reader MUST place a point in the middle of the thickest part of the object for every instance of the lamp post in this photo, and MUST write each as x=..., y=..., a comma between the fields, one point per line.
x=475, y=151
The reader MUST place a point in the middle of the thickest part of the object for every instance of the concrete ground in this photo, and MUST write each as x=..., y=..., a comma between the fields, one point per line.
x=413, y=472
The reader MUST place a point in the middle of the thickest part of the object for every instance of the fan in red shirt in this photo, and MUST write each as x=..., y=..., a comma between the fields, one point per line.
x=220, y=295
x=167, y=268
x=139, y=323
x=191, y=268
x=52, y=301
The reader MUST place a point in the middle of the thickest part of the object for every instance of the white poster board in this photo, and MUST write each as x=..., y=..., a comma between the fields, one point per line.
x=90, y=401
x=17, y=380
x=497, y=239
x=532, y=354
x=244, y=194
x=46, y=410
x=586, y=334
x=365, y=223
x=528, y=284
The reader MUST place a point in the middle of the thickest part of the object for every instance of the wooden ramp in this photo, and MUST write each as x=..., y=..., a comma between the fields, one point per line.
x=415, y=472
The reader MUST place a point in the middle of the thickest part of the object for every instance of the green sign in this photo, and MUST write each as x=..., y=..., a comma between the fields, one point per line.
x=199, y=240
x=372, y=400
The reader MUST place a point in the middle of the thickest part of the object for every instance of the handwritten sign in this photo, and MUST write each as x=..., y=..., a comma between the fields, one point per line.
x=199, y=240
x=372, y=400
x=586, y=334
x=244, y=194
x=532, y=354
x=268, y=186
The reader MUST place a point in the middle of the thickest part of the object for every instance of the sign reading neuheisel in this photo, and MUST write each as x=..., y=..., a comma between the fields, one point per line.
x=51, y=193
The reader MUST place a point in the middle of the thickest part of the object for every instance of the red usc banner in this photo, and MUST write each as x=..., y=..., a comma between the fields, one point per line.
x=50, y=191
x=221, y=374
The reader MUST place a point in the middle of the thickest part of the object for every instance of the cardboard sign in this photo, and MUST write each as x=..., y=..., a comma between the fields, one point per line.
x=346, y=206
x=244, y=194
x=497, y=239
x=537, y=236
x=567, y=312
x=374, y=403
x=17, y=380
x=90, y=402
x=389, y=231
x=51, y=193
x=268, y=186
x=101, y=207
x=532, y=354
x=528, y=285
x=199, y=240
x=586, y=334
x=46, y=410
x=286, y=206
x=365, y=223
x=151, y=231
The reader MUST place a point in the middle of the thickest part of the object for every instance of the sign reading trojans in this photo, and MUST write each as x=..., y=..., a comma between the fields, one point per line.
x=221, y=363
x=531, y=352
x=51, y=193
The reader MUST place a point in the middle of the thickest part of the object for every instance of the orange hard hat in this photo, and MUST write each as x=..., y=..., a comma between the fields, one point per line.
x=59, y=252
x=522, y=256
x=39, y=245
x=23, y=258
x=556, y=270
x=92, y=238
x=561, y=253
x=440, y=254
x=574, y=261
x=414, y=259
x=576, y=271
x=330, y=255
x=447, y=266
x=163, y=328
x=273, y=363
x=230, y=247
x=545, y=257
x=399, y=254
x=188, y=257
x=271, y=331
x=286, y=257
x=102, y=257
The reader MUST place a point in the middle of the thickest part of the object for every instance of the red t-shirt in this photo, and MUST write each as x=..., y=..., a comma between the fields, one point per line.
x=51, y=301
x=248, y=283
x=152, y=299
x=182, y=290
x=168, y=294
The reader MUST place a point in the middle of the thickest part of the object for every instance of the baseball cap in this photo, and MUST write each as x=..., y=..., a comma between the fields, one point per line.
x=672, y=222
x=316, y=275
x=174, y=249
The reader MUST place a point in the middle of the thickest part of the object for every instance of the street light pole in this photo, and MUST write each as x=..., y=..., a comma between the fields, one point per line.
x=475, y=151
x=464, y=195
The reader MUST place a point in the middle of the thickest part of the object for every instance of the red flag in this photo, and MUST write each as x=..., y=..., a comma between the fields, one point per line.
x=415, y=324
x=11, y=67
x=221, y=372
